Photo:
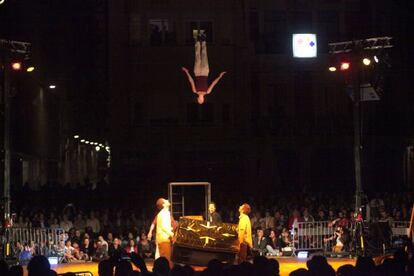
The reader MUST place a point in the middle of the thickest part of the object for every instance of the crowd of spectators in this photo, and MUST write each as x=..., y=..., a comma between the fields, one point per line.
x=397, y=265
x=100, y=224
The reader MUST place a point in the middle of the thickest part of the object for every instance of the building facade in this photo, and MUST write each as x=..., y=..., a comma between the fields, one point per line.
x=273, y=120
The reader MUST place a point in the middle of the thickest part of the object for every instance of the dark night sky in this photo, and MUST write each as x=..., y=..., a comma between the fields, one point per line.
x=64, y=38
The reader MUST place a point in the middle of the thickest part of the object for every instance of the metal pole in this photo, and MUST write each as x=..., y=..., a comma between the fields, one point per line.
x=357, y=129
x=6, y=99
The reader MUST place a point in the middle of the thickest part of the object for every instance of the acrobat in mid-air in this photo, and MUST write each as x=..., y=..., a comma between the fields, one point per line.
x=200, y=85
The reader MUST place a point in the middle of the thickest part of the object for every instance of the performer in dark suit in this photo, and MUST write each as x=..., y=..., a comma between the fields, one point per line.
x=213, y=216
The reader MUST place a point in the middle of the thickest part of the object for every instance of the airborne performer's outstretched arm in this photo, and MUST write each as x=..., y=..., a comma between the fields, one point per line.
x=190, y=79
x=199, y=85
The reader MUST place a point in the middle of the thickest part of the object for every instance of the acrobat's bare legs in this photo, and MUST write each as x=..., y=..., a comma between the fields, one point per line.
x=205, y=70
x=197, y=59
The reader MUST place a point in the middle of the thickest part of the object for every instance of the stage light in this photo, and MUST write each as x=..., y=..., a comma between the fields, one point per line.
x=87, y=142
x=376, y=59
x=332, y=68
x=345, y=66
x=366, y=61
x=76, y=136
x=16, y=66
x=30, y=69
x=302, y=254
x=97, y=148
x=83, y=140
x=52, y=86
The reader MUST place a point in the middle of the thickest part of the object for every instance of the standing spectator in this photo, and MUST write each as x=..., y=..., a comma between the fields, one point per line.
x=55, y=223
x=65, y=223
x=93, y=223
x=294, y=219
x=80, y=222
x=321, y=216
x=307, y=217
x=269, y=221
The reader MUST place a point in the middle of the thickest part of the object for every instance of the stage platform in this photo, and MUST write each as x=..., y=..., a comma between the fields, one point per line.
x=287, y=265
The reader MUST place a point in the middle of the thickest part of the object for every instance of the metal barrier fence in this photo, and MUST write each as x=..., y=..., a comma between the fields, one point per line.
x=37, y=235
x=81, y=273
x=311, y=235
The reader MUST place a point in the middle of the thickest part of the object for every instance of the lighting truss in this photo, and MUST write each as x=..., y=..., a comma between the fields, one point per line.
x=15, y=46
x=374, y=43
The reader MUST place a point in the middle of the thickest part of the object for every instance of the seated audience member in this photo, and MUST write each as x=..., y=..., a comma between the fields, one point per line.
x=272, y=244
x=26, y=255
x=318, y=265
x=123, y=268
x=17, y=248
x=115, y=250
x=285, y=240
x=260, y=242
x=77, y=237
x=104, y=243
x=60, y=250
x=105, y=268
x=38, y=265
x=340, y=239
x=87, y=249
x=16, y=270
x=131, y=247
x=69, y=252
x=100, y=252
x=145, y=247
x=77, y=253
x=109, y=239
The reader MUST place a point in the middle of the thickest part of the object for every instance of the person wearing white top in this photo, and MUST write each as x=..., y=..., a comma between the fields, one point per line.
x=164, y=232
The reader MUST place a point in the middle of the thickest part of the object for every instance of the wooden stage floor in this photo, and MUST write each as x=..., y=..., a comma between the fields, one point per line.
x=287, y=265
